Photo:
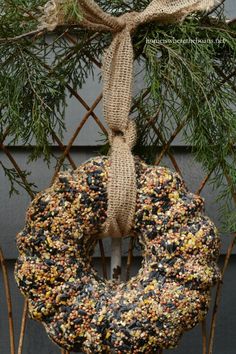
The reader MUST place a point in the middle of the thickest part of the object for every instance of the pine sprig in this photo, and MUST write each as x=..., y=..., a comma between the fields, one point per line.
x=187, y=71
x=19, y=16
x=71, y=10
x=32, y=103
x=16, y=180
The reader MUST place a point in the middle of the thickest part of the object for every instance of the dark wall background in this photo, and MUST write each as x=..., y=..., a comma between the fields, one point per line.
x=12, y=211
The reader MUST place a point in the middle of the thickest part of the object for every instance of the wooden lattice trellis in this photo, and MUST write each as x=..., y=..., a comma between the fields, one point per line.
x=165, y=150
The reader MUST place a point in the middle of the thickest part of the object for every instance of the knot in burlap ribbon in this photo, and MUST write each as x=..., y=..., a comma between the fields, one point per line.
x=117, y=92
x=129, y=21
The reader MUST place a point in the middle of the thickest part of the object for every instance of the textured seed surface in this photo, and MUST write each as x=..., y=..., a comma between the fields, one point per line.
x=80, y=310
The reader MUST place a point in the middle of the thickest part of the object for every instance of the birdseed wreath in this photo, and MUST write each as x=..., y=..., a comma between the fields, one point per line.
x=82, y=311
x=117, y=196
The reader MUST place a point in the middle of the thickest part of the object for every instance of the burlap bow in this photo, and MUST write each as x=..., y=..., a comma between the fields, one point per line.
x=117, y=91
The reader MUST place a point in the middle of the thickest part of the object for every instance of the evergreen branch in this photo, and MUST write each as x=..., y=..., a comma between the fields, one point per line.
x=27, y=35
x=15, y=178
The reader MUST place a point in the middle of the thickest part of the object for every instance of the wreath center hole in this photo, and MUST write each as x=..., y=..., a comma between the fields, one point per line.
x=131, y=260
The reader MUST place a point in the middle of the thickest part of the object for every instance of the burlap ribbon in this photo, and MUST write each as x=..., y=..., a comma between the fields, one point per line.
x=117, y=92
